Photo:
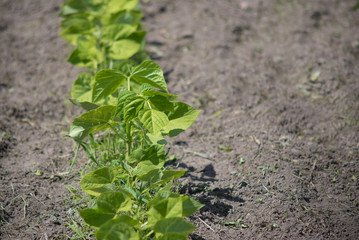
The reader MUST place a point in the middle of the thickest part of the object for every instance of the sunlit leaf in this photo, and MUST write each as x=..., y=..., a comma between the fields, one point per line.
x=113, y=202
x=116, y=229
x=181, y=119
x=116, y=31
x=95, y=217
x=151, y=73
x=173, y=225
x=153, y=120
x=96, y=182
x=107, y=81
x=93, y=121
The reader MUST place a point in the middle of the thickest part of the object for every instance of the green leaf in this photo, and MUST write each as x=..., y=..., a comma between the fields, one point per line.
x=82, y=87
x=115, y=32
x=114, y=202
x=118, y=5
x=173, y=225
x=124, y=66
x=86, y=54
x=173, y=236
x=116, y=229
x=155, y=139
x=169, y=175
x=93, y=121
x=153, y=120
x=164, y=193
x=126, y=48
x=133, y=105
x=107, y=81
x=127, y=219
x=190, y=206
x=75, y=27
x=167, y=208
x=150, y=93
x=148, y=172
x=96, y=182
x=155, y=153
x=123, y=97
x=95, y=217
x=182, y=118
x=132, y=17
x=161, y=103
x=85, y=105
x=151, y=73
x=78, y=6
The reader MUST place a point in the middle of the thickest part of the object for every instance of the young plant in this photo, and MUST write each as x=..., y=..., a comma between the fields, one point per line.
x=134, y=195
x=127, y=98
x=104, y=31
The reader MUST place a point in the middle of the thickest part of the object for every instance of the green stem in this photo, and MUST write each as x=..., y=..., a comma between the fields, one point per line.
x=116, y=132
x=129, y=138
x=128, y=84
x=74, y=158
x=89, y=154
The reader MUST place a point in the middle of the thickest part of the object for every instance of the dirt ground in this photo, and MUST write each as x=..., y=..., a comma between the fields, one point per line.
x=274, y=153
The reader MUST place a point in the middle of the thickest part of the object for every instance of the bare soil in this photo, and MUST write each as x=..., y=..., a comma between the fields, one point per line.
x=274, y=153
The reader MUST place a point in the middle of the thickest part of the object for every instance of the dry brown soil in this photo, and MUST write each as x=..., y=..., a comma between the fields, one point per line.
x=274, y=153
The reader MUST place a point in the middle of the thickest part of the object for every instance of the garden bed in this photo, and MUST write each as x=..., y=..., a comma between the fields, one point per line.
x=274, y=152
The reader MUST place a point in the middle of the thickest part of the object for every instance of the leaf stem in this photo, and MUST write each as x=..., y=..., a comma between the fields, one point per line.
x=129, y=138
x=116, y=132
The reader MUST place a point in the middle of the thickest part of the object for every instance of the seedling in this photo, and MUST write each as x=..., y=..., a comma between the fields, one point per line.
x=129, y=112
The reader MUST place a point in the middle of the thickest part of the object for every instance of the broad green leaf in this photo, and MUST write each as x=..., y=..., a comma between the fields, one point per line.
x=151, y=176
x=168, y=208
x=121, y=102
x=114, y=202
x=133, y=105
x=169, y=175
x=132, y=17
x=116, y=229
x=146, y=87
x=155, y=139
x=163, y=194
x=95, y=217
x=153, y=120
x=173, y=236
x=118, y=5
x=173, y=225
x=151, y=73
x=78, y=6
x=155, y=153
x=151, y=93
x=161, y=103
x=82, y=87
x=182, y=118
x=93, y=121
x=190, y=206
x=85, y=105
x=87, y=54
x=107, y=81
x=75, y=28
x=126, y=48
x=124, y=66
x=127, y=219
x=116, y=32
x=96, y=182
x=148, y=172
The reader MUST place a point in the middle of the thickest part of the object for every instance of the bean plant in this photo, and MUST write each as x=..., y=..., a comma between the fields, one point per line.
x=125, y=93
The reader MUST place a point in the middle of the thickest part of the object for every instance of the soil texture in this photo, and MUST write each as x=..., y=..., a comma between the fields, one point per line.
x=274, y=153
